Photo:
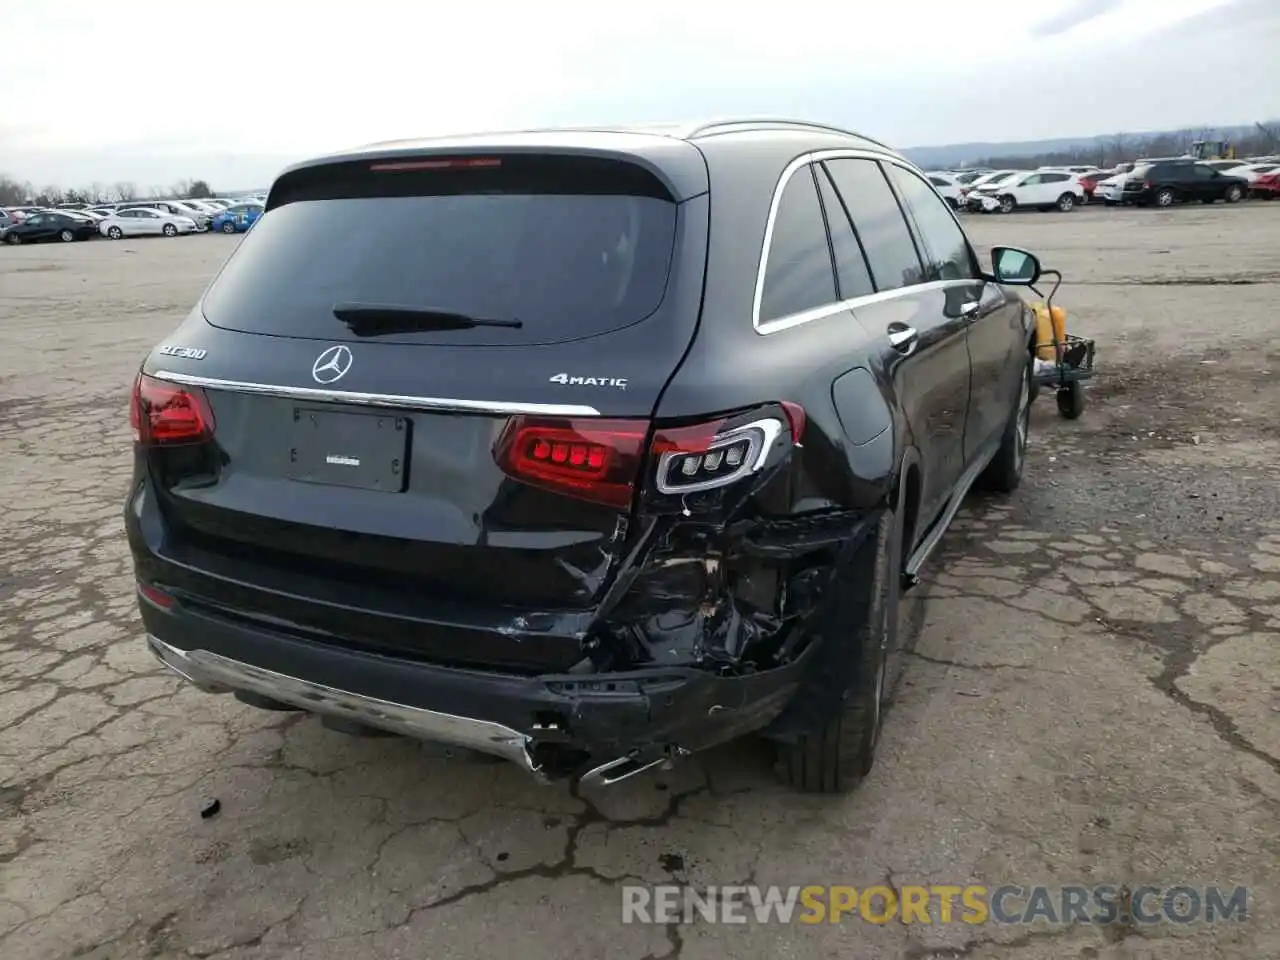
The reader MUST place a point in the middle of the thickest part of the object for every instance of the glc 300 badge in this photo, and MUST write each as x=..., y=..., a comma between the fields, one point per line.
x=185, y=353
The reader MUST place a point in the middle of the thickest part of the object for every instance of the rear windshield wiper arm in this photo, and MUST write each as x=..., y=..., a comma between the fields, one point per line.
x=372, y=319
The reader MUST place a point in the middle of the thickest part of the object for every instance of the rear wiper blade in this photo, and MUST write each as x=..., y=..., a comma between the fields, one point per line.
x=372, y=319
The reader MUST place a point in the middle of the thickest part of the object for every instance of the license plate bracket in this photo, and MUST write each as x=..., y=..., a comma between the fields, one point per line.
x=364, y=451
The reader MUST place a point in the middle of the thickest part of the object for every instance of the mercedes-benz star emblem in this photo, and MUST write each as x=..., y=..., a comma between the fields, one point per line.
x=331, y=365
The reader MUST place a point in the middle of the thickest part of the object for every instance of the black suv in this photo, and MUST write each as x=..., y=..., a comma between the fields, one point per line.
x=1165, y=183
x=585, y=448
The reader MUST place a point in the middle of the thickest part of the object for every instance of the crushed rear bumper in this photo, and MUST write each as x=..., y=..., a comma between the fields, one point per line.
x=610, y=725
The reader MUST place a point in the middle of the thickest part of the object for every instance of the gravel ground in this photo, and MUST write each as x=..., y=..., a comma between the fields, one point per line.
x=1093, y=697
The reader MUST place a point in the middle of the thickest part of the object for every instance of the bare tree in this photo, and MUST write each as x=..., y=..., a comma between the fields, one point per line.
x=50, y=196
x=96, y=192
x=11, y=192
x=180, y=188
x=124, y=190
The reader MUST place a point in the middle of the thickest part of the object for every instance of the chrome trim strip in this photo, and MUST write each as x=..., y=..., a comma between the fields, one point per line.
x=826, y=310
x=382, y=399
x=930, y=543
x=211, y=671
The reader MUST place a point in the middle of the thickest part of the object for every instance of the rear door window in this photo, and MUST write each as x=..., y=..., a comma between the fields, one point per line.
x=570, y=247
x=798, y=275
x=852, y=271
x=948, y=248
x=879, y=221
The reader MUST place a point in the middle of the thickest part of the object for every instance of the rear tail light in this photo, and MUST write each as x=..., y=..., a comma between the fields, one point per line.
x=596, y=460
x=163, y=413
x=601, y=460
x=715, y=454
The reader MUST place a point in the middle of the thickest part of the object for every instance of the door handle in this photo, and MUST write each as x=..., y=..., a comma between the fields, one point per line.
x=969, y=308
x=902, y=338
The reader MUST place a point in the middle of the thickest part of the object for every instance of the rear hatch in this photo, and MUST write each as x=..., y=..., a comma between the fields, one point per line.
x=431, y=380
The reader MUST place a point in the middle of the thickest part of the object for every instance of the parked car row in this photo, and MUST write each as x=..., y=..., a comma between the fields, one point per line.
x=1157, y=182
x=169, y=218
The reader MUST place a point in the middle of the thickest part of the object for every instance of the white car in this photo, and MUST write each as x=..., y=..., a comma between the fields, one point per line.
x=985, y=186
x=1042, y=189
x=1252, y=171
x=948, y=187
x=145, y=221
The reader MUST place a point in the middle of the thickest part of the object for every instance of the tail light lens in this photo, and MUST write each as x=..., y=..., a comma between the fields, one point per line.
x=164, y=413
x=596, y=460
x=601, y=460
x=716, y=454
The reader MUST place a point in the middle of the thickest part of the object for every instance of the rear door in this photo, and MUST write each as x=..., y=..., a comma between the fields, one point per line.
x=918, y=323
x=436, y=375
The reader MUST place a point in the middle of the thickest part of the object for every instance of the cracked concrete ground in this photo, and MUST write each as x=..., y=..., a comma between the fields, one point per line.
x=1093, y=697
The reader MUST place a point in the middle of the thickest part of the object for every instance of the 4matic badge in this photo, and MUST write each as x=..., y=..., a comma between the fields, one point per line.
x=565, y=379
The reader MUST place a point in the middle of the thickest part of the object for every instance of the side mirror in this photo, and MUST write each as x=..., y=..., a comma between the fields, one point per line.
x=1014, y=266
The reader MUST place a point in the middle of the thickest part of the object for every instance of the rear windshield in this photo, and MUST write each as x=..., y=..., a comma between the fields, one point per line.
x=571, y=252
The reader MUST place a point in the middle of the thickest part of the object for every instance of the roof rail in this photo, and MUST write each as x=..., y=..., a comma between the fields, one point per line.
x=711, y=126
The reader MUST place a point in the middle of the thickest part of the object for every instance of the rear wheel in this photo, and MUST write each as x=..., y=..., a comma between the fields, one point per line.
x=1004, y=472
x=1067, y=202
x=115, y=233
x=13, y=239
x=169, y=230
x=1165, y=197
x=1234, y=194
x=66, y=236
x=837, y=753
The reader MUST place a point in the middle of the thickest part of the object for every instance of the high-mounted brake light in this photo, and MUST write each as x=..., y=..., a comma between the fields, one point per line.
x=448, y=163
x=596, y=460
x=163, y=414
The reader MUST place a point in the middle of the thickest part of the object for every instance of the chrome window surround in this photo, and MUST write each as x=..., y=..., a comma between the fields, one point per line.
x=509, y=408
x=766, y=327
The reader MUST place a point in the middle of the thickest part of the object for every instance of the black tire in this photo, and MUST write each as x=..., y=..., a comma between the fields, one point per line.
x=1008, y=204
x=1004, y=472
x=1066, y=203
x=114, y=233
x=13, y=239
x=1165, y=197
x=837, y=750
x=66, y=236
x=169, y=230
x=228, y=227
x=1234, y=194
x=1071, y=400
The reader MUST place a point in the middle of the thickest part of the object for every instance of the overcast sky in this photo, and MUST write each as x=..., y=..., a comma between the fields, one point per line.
x=228, y=90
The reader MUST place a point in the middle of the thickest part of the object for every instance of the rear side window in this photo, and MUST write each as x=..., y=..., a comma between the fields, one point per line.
x=798, y=274
x=948, y=249
x=879, y=222
x=571, y=247
x=852, y=272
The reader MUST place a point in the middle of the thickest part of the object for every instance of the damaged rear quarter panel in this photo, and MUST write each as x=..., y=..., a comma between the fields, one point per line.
x=731, y=580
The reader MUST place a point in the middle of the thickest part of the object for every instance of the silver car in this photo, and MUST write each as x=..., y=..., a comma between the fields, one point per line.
x=145, y=221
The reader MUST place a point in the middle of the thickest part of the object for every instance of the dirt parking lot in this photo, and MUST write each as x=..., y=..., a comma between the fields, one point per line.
x=1093, y=697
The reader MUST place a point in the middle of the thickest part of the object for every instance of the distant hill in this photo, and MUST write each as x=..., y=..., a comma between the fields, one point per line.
x=957, y=154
